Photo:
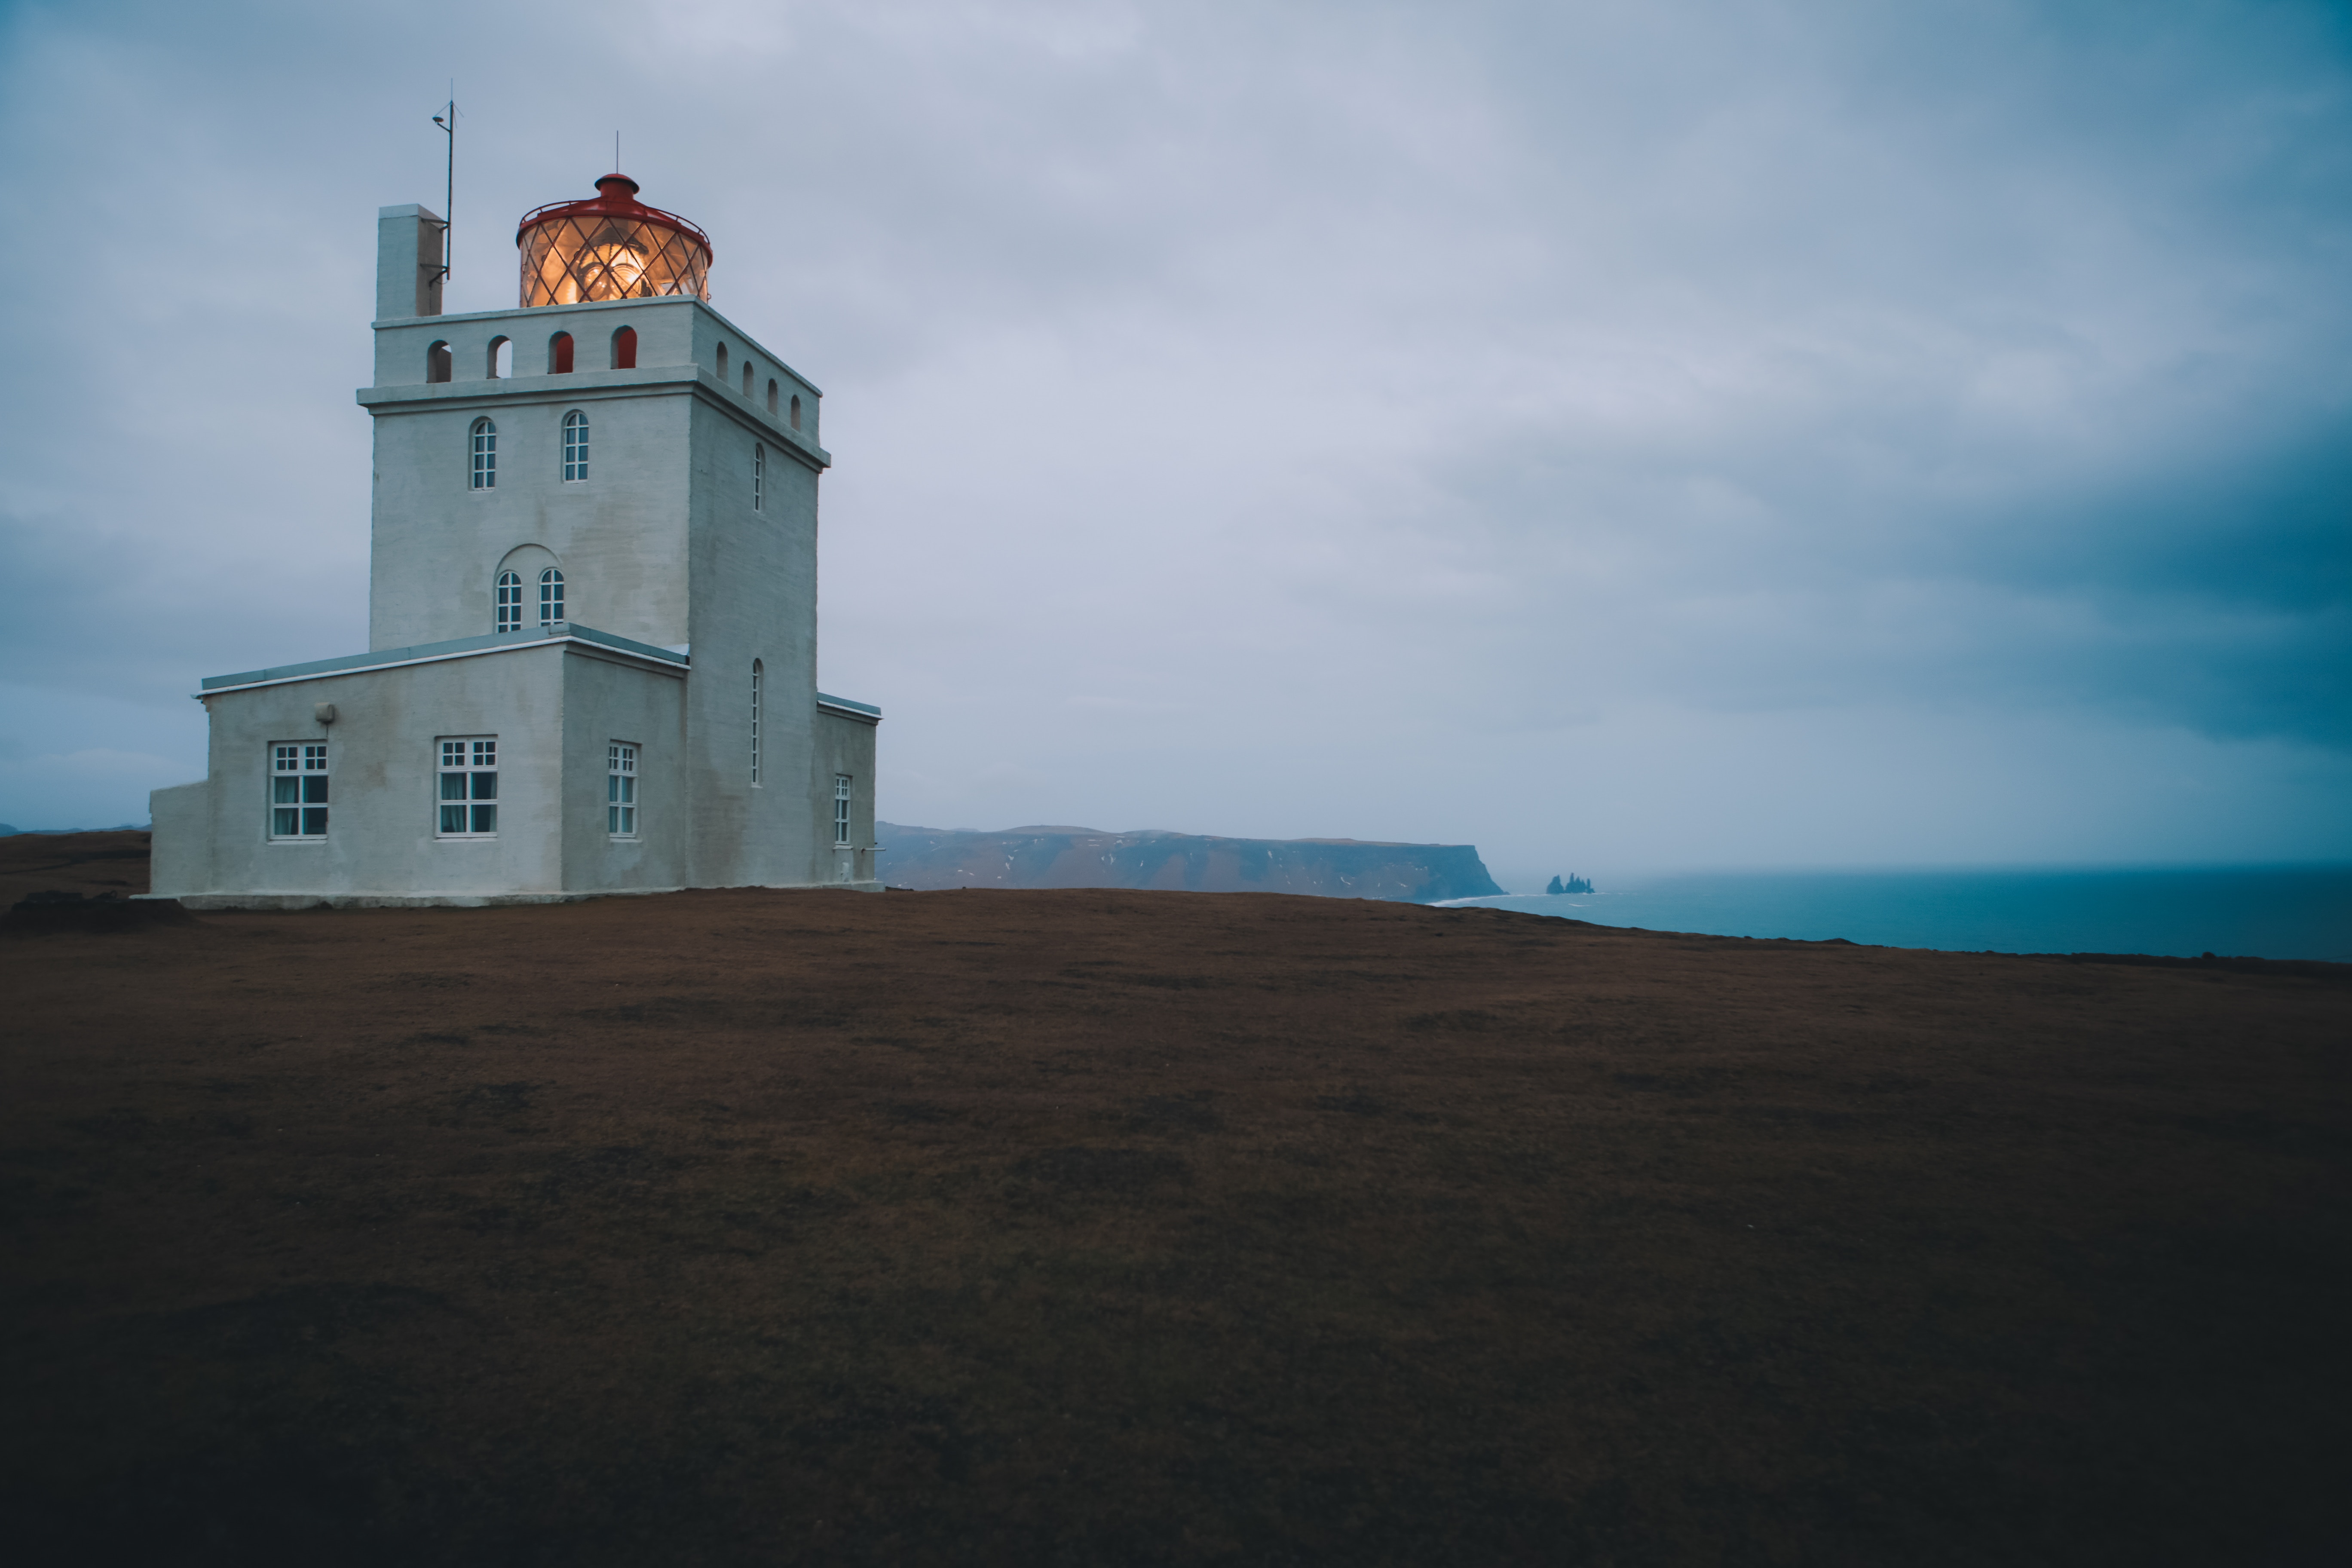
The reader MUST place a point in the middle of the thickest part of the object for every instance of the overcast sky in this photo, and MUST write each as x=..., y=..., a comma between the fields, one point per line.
x=1622, y=436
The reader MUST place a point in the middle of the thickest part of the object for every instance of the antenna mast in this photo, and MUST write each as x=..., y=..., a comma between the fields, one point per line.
x=449, y=197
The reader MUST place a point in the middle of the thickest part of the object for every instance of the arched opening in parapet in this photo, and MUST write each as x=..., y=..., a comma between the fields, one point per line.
x=500, y=359
x=438, y=362
x=796, y=411
x=559, y=355
x=624, y=349
x=771, y=395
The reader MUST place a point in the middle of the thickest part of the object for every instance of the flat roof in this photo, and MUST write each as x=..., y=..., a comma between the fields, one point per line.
x=845, y=702
x=456, y=647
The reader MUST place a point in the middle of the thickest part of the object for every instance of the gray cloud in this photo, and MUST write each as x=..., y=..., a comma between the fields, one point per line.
x=1280, y=419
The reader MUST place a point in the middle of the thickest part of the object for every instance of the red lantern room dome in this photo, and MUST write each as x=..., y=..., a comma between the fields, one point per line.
x=611, y=246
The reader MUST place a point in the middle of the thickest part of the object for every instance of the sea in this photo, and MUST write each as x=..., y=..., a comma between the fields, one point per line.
x=2258, y=911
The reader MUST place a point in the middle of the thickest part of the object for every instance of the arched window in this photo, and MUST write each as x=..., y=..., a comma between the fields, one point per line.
x=759, y=475
x=501, y=361
x=755, y=722
x=550, y=597
x=510, y=597
x=575, y=447
x=796, y=410
x=559, y=355
x=437, y=362
x=486, y=455
x=722, y=362
x=771, y=394
x=624, y=349
x=747, y=378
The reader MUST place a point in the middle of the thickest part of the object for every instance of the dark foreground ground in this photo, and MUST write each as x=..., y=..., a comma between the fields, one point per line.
x=1085, y=1227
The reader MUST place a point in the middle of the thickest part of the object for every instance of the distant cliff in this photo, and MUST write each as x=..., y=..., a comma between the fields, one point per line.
x=931, y=858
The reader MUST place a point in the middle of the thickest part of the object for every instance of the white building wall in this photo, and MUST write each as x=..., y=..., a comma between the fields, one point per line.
x=554, y=709
x=661, y=544
x=381, y=835
x=753, y=577
x=605, y=701
x=845, y=745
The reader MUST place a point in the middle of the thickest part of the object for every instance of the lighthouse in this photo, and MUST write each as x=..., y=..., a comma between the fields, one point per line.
x=592, y=639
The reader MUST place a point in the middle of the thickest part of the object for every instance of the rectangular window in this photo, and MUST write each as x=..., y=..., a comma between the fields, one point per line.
x=841, y=809
x=759, y=476
x=297, y=789
x=621, y=790
x=755, y=723
x=468, y=800
x=486, y=455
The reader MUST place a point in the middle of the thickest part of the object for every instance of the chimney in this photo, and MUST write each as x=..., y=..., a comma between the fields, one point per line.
x=408, y=263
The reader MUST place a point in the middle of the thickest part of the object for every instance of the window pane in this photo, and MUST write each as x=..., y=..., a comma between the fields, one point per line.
x=314, y=789
x=453, y=818
x=486, y=786
x=486, y=819
x=285, y=791
x=314, y=821
x=285, y=821
x=453, y=786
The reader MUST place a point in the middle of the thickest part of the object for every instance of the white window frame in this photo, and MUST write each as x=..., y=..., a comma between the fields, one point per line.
x=759, y=476
x=623, y=807
x=575, y=447
x=298, y=765
x=756, y=673
x=843, y=785
x=550, y=597
x=483, y=435
x=467, y=760
x=506, y=597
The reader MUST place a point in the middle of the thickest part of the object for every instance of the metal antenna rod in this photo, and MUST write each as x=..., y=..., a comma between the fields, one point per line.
x=449, y=197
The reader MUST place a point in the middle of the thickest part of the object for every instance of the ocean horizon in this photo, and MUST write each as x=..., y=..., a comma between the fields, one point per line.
x=2235, y=911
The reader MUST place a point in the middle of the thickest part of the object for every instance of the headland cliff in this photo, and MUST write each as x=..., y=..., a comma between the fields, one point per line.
x=929, y=858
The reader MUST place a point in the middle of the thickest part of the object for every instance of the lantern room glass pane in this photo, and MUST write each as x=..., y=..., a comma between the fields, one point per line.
x=567, y=261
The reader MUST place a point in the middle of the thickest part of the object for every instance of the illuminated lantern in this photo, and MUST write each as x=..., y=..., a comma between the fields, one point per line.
x=611, y=246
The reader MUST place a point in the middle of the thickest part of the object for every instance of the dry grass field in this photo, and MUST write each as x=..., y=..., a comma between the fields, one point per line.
x=1089, y=1228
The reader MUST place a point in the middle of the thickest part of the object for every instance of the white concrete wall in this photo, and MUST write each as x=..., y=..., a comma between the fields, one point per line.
x=607, y=700
x=673, y=334
x=383, y=805
x=180, y=858
x=620, y=534
x=752, y=577
x=845, y=744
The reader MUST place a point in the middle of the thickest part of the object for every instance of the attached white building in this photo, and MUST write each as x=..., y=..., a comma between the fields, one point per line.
x=592, y=613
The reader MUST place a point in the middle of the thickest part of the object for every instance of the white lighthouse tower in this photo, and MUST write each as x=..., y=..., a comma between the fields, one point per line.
x=592, y=610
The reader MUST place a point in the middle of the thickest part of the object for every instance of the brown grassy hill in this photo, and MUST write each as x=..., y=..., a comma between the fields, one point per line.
x=1088, y=1227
